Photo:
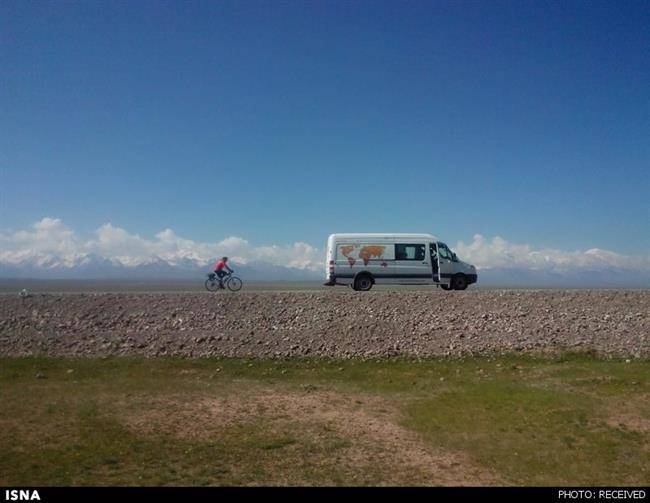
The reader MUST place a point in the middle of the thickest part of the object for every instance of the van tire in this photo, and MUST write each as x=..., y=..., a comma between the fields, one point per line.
x=459, y=282
x=363, y=282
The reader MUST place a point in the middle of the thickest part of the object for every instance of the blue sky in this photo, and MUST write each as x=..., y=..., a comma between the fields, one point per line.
x=287, y=121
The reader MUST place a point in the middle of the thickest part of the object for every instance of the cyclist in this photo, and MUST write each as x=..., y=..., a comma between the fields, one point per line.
x=219, y=267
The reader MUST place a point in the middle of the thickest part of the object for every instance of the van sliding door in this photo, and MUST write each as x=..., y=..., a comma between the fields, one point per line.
x=412, y=265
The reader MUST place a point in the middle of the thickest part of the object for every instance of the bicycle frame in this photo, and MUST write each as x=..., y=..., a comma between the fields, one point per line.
x=213, y=275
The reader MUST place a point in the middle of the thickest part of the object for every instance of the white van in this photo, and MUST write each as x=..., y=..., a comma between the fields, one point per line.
x=361, y=260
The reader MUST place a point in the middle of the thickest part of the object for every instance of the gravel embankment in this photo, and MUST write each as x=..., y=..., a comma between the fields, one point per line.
x=340, y=323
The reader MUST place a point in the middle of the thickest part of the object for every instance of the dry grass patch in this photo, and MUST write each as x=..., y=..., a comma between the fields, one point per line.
x=366, y=430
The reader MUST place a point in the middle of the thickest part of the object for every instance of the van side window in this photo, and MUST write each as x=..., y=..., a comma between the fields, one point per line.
x=409, y=252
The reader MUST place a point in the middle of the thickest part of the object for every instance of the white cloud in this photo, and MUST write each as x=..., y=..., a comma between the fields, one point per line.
x=47, y=240
x=50, y=243
x=498, y=252
x=300, y=255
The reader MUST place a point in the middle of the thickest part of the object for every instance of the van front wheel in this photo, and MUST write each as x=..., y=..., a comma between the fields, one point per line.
x=362, y=283
x=459, y=282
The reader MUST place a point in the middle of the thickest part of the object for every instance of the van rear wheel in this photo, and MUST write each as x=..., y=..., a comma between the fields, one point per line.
x=363, y=283
x=459, y=282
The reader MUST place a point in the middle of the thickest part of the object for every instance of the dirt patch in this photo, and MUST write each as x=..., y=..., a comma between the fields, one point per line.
x=630, y=415
x=366, y=427
x=630, y=422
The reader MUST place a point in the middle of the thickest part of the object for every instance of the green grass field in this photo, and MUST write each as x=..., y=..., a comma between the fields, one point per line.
x=574, y=420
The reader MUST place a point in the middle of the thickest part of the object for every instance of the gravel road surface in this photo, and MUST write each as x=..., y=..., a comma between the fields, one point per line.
x=336, y=323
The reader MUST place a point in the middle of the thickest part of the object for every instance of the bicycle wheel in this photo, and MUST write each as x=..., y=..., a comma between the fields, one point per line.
x=212, y=285
x=234, y=284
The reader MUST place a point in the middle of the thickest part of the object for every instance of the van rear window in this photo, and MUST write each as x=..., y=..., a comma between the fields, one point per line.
x=409, y=252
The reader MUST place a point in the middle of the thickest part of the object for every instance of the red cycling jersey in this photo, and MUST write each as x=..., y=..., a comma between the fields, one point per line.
x=219, y=264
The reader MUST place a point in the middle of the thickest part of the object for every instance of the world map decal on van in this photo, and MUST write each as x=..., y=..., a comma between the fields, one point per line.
x=363, y=252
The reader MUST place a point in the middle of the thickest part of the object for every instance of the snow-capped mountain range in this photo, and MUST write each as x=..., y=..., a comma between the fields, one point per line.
x=51, y=250
x=96, y=267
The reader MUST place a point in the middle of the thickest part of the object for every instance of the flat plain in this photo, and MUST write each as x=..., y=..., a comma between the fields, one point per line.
x=571, y=420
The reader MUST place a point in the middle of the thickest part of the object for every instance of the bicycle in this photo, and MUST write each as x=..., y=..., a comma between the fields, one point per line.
x=233, y=283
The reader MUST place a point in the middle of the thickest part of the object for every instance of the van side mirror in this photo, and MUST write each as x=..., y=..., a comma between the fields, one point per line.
x=454, y=257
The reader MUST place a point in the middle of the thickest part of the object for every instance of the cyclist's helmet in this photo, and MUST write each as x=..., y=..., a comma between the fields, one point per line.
x=224, y=258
